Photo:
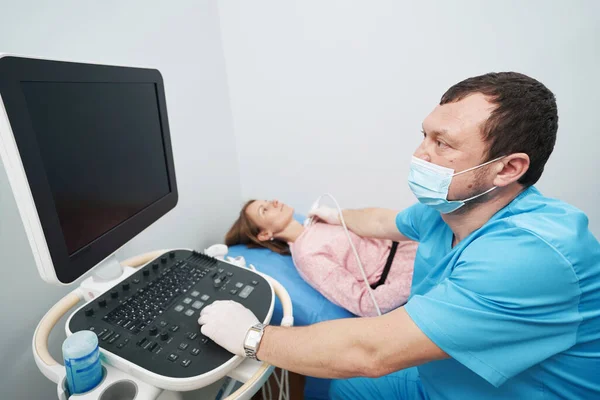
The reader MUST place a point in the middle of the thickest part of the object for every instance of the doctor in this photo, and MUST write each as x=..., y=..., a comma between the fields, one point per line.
x=505, y=300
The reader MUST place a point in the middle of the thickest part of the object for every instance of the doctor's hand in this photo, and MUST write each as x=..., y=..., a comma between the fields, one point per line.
x=226, y=323
x=326, y=214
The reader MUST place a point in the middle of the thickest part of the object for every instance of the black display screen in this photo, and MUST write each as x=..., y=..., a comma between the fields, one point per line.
x=103, y=152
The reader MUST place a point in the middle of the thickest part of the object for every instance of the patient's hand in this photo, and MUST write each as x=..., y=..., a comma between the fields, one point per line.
x=326, y=214
x=226, y=323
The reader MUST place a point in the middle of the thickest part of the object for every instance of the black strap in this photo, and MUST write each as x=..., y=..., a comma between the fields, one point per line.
x=388, y=265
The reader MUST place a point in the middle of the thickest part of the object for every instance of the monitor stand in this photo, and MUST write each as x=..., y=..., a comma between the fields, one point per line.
x=104, y=276
x=108, y=270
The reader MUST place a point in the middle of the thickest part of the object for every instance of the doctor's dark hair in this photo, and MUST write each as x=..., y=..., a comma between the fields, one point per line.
x=525, y=119
x=244, y=231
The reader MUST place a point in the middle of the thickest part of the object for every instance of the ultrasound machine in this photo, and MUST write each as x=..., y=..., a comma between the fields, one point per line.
x=87, y=151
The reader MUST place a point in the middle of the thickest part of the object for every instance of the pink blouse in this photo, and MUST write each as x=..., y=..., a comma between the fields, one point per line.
x=325, y=260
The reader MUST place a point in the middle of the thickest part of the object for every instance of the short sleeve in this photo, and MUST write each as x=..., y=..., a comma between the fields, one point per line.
x=408, y=221
x=511, y=302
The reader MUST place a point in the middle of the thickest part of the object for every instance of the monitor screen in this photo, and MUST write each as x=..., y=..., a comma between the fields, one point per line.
x=102, y=149
x=87, y=149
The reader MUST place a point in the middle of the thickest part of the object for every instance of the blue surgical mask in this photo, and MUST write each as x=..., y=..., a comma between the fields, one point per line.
x=430, y=183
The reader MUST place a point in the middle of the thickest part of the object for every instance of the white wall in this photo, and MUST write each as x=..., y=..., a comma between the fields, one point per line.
x=182, y=40
x=330, y=95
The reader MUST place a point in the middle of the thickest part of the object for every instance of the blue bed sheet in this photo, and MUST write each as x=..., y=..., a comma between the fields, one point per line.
x=309, y=305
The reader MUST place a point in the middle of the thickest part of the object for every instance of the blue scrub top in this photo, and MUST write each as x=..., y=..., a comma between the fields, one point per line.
x=516, y=304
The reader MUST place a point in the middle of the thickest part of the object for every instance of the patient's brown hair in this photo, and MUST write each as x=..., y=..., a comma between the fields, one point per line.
x=244, y=231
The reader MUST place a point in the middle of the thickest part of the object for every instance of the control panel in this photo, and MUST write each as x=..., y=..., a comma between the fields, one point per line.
x=151, y=318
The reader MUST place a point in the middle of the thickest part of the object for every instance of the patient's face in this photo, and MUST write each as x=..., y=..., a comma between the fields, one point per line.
x=271, y=217
x=453, y=139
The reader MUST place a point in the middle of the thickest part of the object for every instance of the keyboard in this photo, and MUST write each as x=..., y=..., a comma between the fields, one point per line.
x=150, y=318
x=142, y=308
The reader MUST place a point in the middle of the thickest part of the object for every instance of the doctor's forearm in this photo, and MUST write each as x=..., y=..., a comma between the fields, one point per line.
x=377, y=223
x=330, y=349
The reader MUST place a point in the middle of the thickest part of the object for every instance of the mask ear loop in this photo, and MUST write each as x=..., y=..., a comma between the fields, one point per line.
x=479, y=166
x=479, y=195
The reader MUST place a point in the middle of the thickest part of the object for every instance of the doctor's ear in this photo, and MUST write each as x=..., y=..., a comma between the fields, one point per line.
x=263, y=236
x=510, y=169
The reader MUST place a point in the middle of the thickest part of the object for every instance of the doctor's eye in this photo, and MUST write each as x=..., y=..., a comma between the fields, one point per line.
x=441, y=145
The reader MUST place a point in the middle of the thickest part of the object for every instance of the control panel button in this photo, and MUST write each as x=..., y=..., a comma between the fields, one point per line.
x=246, y=291
x=146, y=272
x=172, y=254
x=195, y=351
x=89, y=312
x=187, y=300
x=114, y=338
x=125, y=286
x=192, y=335
x=152, y=346
x=179, y=308
x=205, y=297
x=254, y=283
x=197, y=305
x=186, y=362
x=153, y=331
x=163, y=259
x=102, y=302
x=189, y=312
x=114, y=294
x=195, y=293
x=174, y=328
x=183, y=346
x=155, y=266
x=164, y=336
x=239, y=285
x=173, y=357
x=101, y=333
x=233, y=291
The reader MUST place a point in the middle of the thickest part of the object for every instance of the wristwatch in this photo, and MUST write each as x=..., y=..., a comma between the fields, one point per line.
x=252, y=341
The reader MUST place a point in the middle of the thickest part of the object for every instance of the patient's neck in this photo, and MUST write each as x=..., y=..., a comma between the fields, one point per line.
x=291, y=232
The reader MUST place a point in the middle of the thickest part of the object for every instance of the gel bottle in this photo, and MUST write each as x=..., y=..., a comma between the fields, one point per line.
x=82, y=361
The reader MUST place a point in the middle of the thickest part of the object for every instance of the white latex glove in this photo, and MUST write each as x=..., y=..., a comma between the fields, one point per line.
x=226, y=323
x=326, y=214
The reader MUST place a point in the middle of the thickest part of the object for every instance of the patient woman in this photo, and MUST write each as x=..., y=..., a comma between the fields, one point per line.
x=324, y=258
